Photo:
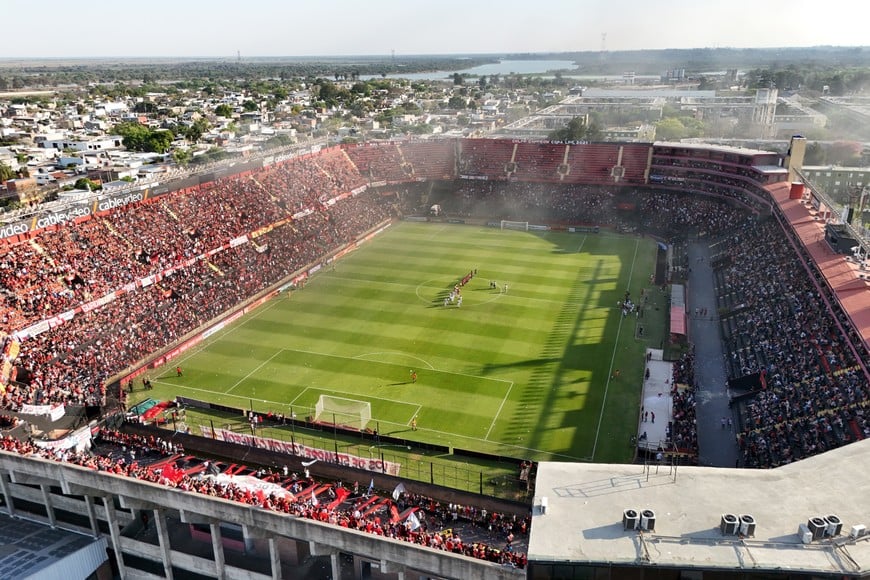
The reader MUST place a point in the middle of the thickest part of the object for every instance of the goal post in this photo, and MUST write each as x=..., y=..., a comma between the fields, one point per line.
x=512, y=225
x=343, y=412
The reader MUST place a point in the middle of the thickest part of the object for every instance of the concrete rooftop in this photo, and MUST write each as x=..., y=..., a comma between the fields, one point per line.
x=585, y=503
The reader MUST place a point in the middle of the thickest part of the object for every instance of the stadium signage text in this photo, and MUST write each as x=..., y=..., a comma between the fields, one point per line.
x=346, y=459
x=15, y=229
x=61, y=217
x=118, y=201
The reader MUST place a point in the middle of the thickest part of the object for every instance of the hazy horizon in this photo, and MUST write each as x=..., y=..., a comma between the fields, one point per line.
x=345, y=28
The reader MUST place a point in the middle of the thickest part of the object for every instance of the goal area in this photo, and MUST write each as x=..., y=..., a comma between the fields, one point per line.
x=510, y=225
x=343, y=412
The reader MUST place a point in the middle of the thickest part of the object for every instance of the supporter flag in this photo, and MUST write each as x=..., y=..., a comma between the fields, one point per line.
x=414, y=521
x=394, y=513
x=341, y=494
x=314, y=501
x=309, y=463
x=763, y=378
x=371, y=486
x=168, y=473
x=400, y=489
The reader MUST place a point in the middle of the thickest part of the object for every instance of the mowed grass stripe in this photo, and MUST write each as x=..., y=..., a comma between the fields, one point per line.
x=381, y=313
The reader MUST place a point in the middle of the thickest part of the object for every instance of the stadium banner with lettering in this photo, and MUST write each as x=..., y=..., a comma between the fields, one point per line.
x=52, y=412
x=300, y=450
x=79, y=440
x=13, y=229
x=60, y=217
x=110, y=202
x=235, y=242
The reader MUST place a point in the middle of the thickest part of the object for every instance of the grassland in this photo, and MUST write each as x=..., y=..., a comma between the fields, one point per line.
x=526, y=373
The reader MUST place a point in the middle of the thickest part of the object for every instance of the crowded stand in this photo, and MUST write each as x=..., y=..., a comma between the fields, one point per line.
x=538, y=161
x=683, y=429
x=107, y=290
x=432, y=159
x=380, y=162
x=408, y=517
x=669, y=215
x=485, y=158
x=812, y=395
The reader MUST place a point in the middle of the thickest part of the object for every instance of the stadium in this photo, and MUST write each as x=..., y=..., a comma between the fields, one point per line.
x=543, y=295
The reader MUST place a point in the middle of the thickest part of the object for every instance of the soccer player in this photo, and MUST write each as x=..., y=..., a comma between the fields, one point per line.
x=414, y=424
x=178, y=371
x=413, y=377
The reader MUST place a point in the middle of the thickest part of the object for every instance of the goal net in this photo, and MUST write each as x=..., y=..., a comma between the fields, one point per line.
x=509, y=225
x=343, y=412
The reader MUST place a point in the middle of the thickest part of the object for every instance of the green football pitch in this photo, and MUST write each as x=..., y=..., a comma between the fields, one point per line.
x=526, y=371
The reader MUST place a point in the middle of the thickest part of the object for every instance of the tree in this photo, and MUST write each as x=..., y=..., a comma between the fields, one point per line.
x=577, y=130
x=85, y=183
x=250, y=106
x=456, y=102
x=670, y=129
x=6, y=172
x=223, y=110
x=457, y=79
x=182, y=156
x=160, y=141
x=140, y=138
x=135, y=135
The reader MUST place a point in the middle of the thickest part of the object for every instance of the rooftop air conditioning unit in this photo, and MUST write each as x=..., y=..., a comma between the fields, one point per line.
x=805, y=534
x=729, y=525
x=747, y=525
x=630, y=519
x=648, y=520
x=835, y=525
x=818, y=527
x=857, y=531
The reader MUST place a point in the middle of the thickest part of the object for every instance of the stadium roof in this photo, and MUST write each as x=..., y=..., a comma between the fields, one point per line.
x=585, y=503
x=33, y=550
x=710, y=147
x=843, y=276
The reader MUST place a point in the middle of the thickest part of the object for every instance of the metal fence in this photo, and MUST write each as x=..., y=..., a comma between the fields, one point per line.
x=496, y=477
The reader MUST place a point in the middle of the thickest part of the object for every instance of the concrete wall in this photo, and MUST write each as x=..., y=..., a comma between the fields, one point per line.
x=324, y=538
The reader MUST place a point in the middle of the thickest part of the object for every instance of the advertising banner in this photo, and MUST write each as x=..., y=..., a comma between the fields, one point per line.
x=367, y=463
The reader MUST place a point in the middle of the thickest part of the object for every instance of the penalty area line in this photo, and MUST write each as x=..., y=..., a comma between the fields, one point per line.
x=497, y=413
x=258, y=367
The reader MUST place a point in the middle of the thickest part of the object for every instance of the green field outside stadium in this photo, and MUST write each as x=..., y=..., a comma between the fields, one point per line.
x=526, y=373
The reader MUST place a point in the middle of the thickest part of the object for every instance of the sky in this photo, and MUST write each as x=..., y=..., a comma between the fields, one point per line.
x=223, y=28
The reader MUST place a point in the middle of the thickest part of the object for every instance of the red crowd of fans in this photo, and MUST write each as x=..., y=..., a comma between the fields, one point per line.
x=66, y=266
x=131, y=455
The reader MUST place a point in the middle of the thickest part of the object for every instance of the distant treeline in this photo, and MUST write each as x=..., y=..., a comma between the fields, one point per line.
x=21, y=74
x=708, y=59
